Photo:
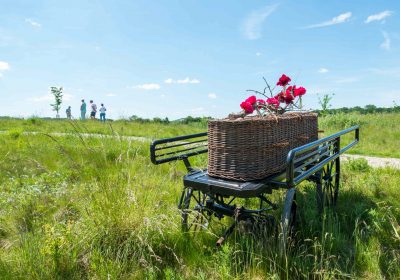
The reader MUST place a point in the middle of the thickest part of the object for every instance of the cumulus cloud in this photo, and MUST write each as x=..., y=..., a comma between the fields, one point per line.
x=33, y=23
x=4, y=66
x=378, y=17
x=212, y=95
x=147, y=86
x=252, y=25
x=183, y=81
x=342, y=18
x=385, y=45
x=111, y=94
x=258, y=54
x=323, y=70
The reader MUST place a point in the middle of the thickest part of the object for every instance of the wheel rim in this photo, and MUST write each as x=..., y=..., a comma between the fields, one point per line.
x=194, y=215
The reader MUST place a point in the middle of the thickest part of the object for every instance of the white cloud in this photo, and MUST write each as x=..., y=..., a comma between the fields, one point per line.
x=49, y=97
x=33, y=23
x=212, y=95
x=323, y=70
x=188, y=81
x=147, y=86
x=342, y=18
x=1, y=75
x=4, y=66
x=258, y=54
x=183, y=81
x=111, y=94
x=385, y=45
x=252, y=25
x=379, y=17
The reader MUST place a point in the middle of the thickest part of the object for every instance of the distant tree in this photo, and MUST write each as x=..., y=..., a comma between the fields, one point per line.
x=369, y=109
x=57, y=93
x=396, y=107
x=325, y=102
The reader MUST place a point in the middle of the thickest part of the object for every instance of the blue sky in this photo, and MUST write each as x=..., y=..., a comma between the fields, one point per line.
x=178, y=58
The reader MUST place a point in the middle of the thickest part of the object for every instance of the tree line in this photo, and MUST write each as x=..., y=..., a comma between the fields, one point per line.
x=368, y=109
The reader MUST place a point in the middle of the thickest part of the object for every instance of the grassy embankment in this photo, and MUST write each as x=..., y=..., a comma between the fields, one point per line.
x=380, y=133
x=74, y=208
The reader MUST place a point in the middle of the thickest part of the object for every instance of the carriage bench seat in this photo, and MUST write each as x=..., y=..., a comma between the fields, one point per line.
x=201, y=181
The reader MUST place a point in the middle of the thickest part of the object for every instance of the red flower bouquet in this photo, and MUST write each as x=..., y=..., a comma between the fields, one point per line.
x=288, y=98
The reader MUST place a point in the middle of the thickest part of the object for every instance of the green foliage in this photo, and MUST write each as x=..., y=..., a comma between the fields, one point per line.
x=57, y=93
x=368, y=109
x=341, y=121
x=15, y=133
x=325, y=102
x=359, y=164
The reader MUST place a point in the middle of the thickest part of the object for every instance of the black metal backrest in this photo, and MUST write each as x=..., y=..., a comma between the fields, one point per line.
x=310, y=158
x=178, y=148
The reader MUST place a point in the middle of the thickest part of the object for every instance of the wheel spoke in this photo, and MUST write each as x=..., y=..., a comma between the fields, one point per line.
x=329, y=185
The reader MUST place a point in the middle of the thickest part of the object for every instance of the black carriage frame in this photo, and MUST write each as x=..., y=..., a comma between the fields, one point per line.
x=318, y=161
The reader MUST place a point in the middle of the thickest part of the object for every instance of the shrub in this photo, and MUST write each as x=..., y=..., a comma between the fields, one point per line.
x=360, y=165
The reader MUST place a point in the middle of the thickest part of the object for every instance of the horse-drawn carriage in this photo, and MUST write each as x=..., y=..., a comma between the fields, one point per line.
x=204, y=196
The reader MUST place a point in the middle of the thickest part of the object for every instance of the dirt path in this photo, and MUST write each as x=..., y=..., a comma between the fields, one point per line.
x=376, y=161
x=372, y=161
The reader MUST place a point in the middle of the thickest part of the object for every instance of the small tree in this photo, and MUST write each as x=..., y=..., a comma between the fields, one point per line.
x=396, y=107
x=57, y=93
x=325, y=102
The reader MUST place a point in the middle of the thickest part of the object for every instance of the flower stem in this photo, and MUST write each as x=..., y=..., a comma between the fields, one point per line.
x=301, y=103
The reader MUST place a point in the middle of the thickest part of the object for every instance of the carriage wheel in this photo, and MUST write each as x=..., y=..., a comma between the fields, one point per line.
x=288, y=219
x=328, y=185
x=194, y=215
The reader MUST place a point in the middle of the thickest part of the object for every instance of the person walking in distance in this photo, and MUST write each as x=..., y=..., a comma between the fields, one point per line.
x=94, y=110
x=83, y=110
x=68, y=112
x=102, y=113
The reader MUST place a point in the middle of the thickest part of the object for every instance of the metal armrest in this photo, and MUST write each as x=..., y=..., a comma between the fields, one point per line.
x=178, y=148
x=308, y=159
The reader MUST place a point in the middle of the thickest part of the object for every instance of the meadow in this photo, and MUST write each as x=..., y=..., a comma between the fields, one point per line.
x=96, y=208
x=379, y=132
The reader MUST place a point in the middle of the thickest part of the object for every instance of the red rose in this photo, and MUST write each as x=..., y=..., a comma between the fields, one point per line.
x=279, y=97
x=247, y=107
x=252, y=99
x=273, y=101
x=260, y=102
x=291, y=89
x=286, y=97
x=299, y=91
x=283, y=80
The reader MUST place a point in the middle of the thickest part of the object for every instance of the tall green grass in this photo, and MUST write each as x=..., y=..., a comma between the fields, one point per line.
x=379, y=133
x=96, y=208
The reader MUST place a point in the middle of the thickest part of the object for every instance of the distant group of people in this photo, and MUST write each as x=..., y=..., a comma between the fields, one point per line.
x=93, y=111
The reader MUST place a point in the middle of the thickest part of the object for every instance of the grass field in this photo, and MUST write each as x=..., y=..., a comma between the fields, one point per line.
x=380, y=133
x=96, y=208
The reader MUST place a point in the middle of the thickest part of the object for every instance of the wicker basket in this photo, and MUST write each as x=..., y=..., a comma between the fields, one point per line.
x=253, y=148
